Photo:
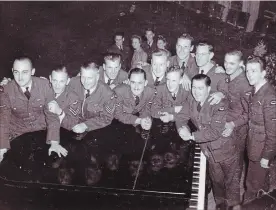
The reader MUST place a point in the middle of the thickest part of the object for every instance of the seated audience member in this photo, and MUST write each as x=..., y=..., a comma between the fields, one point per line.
x=162, y=44
x=150, y=45
x=119, y=47
x=221, y=153
x=166, y=106
x=27, y=127
x=134, y=101
x=261, y=144
x=156, y=71
x=111, y=72
x=139, y=58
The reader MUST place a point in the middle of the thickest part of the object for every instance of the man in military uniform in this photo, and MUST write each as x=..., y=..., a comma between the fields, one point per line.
x=111, y=72
x=26, y=124
x=134, y=101
x=166, y=106
x=221, y=152
x=261, y=145
x=120, y=48
x=156, y=71
x=150, y=45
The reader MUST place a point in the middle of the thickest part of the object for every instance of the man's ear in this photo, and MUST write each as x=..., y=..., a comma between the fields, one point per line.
x=209, y=89
x=146, y=83
x=191, y=48
x=263, y=73
x=68, y=80
x=181, y=81
x=211, y=55
x=168, y=63
x=33, y=71
x=50, y=78
x=103, y=66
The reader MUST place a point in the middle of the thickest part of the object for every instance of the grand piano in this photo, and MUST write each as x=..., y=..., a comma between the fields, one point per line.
x=173, y=179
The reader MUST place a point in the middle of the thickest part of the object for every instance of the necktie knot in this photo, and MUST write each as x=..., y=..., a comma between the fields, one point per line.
x=27, y=93
x=174, y=96
x=109, y=81
x=183, y=66
x=137, y=100
x=87, y=94
x=198, y=107
x=201, y=71
x=156, y=82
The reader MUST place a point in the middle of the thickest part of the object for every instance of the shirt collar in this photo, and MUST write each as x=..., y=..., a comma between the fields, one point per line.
x=106, y=78
x=29, y=86
x=154, y=77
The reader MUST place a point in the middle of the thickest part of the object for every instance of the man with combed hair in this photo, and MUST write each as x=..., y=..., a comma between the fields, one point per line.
x=119, y=47
x=26, y=125
x=150, y=45
x=261, y=145
x=221, y=153
x=111, y=72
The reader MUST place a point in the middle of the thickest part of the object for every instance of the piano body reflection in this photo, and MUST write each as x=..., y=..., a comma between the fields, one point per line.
x=175, y=177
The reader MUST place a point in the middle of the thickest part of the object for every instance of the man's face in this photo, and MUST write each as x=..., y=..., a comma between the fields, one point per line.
x=183, y=48
x=22, y=72
x=112, y=68
x=254, y=73
x=149, y=35
x=159, y=65
x=135, y=43
x=231, y=63
x=203, y=56
x=59, y=80
x=173, y=80
x=137, y=84
x=119, y=40
x=200, y=90
x=89, y=78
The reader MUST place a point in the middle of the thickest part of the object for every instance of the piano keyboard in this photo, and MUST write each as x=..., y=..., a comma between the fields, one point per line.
x=198, y=184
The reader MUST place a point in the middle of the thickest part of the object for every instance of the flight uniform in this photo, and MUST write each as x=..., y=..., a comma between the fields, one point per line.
x=239, y=91
x=164, y=133
x=125, y=55
x=27, y=125
x=191, y=68
x=150, y=79
x=221, y=152
x=261, y=138
x=127, y=112
x=121, y=77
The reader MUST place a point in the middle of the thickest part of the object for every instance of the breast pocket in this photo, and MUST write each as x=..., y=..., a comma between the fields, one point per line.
x=94, y=107
x=38, y=106
x=19, y=107
x=127, y=109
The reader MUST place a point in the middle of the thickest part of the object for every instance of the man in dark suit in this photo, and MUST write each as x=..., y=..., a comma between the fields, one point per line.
x=150, y=45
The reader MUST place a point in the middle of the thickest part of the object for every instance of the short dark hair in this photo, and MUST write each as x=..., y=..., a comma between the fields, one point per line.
x=90, y=65
x=210, y=46
x=21, y=58
x=60, y=68
x=149, y=29
x=257, y=59
x=119, y=33
x=175, y=68
x=236, y=53
x=112, y=57
x=137, y=71
x=187, y=36
x=204, y=77
x=136, y=37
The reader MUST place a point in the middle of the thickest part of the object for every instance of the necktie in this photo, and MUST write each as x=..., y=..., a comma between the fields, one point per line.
x=202, y=72
x=87, y=94
x=109, y=81
x=174, y=96
x=183, y=66
x=198, y=107
x=137, y=100
x=156, y=82
x=27, y=93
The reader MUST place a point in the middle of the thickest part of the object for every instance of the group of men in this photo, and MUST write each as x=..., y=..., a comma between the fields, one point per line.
x=232, y=111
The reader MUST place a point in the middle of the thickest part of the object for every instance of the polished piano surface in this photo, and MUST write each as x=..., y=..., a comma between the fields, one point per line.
x=173, y=178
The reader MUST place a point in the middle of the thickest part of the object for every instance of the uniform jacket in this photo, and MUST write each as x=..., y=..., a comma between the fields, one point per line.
x=149, y=49
x=191, y=68
x=150, y=79
x=262, y=124
x=125, y=54
x=98, y=108
x=164, y=102
x=20, y=115
x=70, y=103
x=138, y=56
x=210, y=123
x=126, y=110
x=122, y=76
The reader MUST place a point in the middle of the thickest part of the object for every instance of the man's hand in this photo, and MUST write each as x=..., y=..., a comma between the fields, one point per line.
x=166, y=117
x=2, y=152
x=5, y=81
x=219, y=69
x=80, y=128
x=146, y=123
x=186, y=83
x=54, y=107
x=57, y=148
x=229, y=127
x=184, y=133
x=177, y=109
x=216, y=98
x=264, y=163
